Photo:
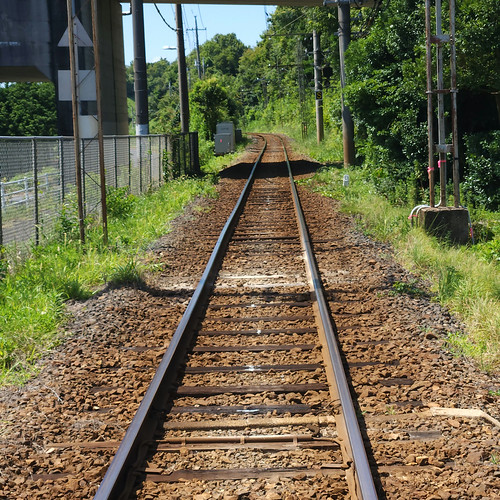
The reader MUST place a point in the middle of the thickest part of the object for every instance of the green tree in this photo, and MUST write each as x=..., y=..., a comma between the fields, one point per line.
x=478, y=56
x=221, y=54
x=209, y=106
x=28, y=109
x=162, y=77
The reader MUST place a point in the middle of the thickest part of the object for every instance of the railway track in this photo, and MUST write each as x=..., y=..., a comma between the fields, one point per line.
x=261, y=373
x=253, y=410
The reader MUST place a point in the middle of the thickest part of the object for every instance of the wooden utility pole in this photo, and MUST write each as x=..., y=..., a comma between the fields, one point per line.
x=76, y=128
x=100, y=135
x=181, y=61
x=344, y=13
x=318, y=87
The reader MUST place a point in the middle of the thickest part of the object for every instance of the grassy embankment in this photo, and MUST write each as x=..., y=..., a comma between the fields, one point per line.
x=464, y=279
x=33, y=290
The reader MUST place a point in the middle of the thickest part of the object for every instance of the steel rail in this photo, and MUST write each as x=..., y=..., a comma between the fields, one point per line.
x=362, y=471
x=119, y=479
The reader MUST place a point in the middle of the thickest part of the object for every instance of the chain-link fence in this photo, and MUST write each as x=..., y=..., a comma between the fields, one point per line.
x=37, y=175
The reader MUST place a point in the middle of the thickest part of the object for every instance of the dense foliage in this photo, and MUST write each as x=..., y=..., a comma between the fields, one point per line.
x=28, y=109
x=271, y=86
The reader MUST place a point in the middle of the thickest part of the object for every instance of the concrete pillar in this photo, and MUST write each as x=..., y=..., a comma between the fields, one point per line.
x=114, y=86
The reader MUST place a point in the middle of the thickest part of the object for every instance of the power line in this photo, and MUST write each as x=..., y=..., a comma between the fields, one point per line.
x=158, y=10
x=190, y=42
x=201, y=18
x=294, y=21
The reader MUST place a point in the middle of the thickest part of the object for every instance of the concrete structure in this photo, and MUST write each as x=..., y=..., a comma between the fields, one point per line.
x=34, y=47
x=448, y=223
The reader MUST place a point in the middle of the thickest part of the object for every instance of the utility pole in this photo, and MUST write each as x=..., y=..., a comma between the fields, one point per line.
x=140, y=75
x=181, y=61
x=344, y=14
x=301, y=82
x=197, y=48
x=318, y=87
x=198, y=60
x=75, y=105
x=439, y=39
x=100, y=135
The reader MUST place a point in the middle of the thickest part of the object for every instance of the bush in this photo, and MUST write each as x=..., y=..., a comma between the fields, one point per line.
x=482, y=170
x=119, y=201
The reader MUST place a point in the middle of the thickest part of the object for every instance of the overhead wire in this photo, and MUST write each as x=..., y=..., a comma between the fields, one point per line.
x=294, y=21
x=163, y=19
x=201, y=18
x=187, y=29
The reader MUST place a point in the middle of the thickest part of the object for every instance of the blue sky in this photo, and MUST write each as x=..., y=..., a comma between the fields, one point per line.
x=248, y=22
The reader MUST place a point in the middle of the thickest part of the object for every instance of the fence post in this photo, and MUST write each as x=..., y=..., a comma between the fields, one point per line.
x=150, y=165
x=35, y=187
x=27, y=191
x=1, y=206
x=116, y=161
x=194, y=153
x=129, y=167
x=161, y=147
x=61, y=167
x=139, y=138
x=184, y=151
x=84, y=193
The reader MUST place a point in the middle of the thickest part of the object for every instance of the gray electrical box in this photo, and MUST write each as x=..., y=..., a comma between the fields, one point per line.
x=224, y=143
x=227, y=128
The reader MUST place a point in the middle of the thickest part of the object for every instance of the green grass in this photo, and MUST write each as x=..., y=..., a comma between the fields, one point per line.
x=464, y=279
x=33, y=290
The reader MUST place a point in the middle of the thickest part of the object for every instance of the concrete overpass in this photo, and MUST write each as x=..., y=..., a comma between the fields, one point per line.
x=32, y=48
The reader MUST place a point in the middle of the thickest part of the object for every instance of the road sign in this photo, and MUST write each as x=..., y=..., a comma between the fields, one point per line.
x=319, y=95
x=81, y=36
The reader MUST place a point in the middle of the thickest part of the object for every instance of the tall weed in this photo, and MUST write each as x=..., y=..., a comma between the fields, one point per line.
x=33, y=290
x=465, y=279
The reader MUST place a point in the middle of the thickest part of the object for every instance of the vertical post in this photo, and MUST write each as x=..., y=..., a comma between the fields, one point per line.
x=34, y=164
x=115, y=151
x=161, y=148
x=185, y=146
x=344, y=14
x=60, y=146
x=140, y=163
x=454, y=118
x=198, y=61
x=318, y=87
x=170, y=157
x=430, y=117
x=100, y=135
x=150, y=153
x=76, y=129
x=84, y=190
x=181, y=61
x=440, y=102
x=194, y=153
x=1, y=221
x=129, y=166
x=140, y=75
x=300, y=81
